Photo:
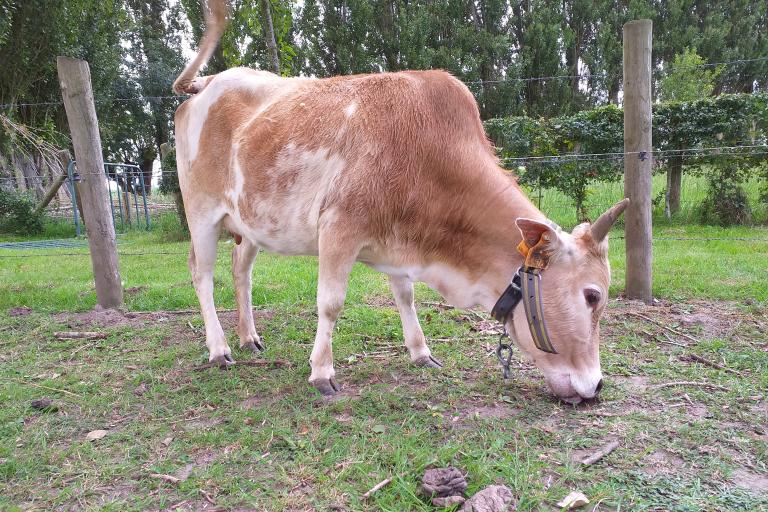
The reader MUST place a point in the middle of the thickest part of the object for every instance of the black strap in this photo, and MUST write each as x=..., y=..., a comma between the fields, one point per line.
x=508, y=300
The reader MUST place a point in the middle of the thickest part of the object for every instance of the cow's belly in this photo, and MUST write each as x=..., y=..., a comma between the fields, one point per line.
x=278, y=206
x=281, y=230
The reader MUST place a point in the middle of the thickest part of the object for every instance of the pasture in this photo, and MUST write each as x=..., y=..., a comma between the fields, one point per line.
x=261, y=438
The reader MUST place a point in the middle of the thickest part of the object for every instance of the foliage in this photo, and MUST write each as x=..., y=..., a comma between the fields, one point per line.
x=586, y=133
x=723, y=121
x=17, y=213
x=688, y=78
x=169, y=183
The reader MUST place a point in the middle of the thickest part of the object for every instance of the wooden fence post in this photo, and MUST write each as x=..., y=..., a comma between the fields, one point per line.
x=637, y=163
x=75, y=81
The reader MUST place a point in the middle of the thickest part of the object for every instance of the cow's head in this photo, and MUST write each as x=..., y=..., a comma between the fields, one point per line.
x=574, y=291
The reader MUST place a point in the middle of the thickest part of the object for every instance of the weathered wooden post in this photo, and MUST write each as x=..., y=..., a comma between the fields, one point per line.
x=75, y=81
x=638, y=160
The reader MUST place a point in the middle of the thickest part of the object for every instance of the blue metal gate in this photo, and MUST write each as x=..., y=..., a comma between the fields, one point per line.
x=130, y=186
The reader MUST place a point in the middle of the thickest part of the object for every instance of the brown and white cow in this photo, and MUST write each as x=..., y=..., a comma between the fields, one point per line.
x=393, y=170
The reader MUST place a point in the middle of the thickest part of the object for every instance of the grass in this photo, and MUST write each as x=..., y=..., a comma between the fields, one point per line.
x=262, y=439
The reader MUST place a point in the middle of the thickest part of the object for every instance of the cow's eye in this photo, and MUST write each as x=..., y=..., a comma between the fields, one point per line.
x=592, y=297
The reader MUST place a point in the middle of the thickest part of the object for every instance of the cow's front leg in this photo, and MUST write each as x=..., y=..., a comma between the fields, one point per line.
x=242, y=268
x=202, y=259
x=415, y=342
x=335, y=263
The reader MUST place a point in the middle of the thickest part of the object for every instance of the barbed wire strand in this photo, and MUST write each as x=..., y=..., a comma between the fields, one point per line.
x=468, y=82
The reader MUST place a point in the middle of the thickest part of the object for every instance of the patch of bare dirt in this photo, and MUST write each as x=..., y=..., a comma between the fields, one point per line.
x=633, y=383
x=104, y=318
x=379, y=301
x=19, y=311
x=750, y=480
x=700, y=318
x=661, y=462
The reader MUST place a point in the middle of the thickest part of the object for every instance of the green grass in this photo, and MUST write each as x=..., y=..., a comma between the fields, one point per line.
x=602, y=195
x=261, y=438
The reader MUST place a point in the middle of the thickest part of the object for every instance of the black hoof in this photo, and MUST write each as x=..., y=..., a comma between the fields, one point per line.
x=224, y=361
x=254, y=347
x=430, y=362
x=327, y=387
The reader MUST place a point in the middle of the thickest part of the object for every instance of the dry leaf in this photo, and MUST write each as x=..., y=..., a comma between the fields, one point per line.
x=575, y=499
x=96, y=434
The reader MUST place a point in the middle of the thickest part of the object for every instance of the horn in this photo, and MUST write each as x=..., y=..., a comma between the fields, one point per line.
x=603, y=223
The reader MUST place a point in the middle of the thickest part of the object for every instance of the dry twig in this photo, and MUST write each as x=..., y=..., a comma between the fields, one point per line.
x=690, y=383
x=600, y=453
x=168, y=478
x=376, y=487
x=80, y=335
x=674, y=331
x=707, y=362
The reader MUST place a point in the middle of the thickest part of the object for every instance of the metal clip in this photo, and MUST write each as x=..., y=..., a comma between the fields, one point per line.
x=642, y=155
x=500, y=350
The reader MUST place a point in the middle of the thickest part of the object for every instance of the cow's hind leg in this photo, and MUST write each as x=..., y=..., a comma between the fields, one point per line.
x=336, y=258
x=242, y=268
x=415, y=342
x=202, y=259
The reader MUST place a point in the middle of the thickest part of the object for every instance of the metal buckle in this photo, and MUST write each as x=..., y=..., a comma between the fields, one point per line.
x=505, y=361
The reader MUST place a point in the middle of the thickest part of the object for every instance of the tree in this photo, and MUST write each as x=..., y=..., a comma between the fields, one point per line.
x=687, y=79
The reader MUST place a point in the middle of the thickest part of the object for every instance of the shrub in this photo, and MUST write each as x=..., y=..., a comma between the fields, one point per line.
x=726, y=204
x=17, y=213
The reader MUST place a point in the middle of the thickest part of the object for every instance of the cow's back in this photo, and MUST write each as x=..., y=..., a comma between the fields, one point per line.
x=393, y=152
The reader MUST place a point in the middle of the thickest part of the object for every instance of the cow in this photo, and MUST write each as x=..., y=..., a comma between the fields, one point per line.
x=393, y=170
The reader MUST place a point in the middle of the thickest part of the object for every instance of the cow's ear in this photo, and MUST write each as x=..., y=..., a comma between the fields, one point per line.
x=540, y=242
x=535, y=231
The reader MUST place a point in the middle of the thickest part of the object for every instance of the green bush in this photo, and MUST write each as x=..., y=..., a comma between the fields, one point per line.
x=17, y=213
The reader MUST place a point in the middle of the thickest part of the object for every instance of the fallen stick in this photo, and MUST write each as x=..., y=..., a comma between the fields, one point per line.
x=52, y=389
x=80, y=335
x=674, y=331
x=376, y=487
x=690, y=383
x=277, y=363
x=655, y=337
x=207, y=497
x=167, y=478
x=600, y=453
x=707, y=362
x=78, y=349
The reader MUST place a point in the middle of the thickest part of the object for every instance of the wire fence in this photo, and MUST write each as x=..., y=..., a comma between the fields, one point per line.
x=504, y=80
x=599, y=192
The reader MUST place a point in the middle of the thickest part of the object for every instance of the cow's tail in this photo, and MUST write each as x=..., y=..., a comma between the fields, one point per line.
x=216, y=13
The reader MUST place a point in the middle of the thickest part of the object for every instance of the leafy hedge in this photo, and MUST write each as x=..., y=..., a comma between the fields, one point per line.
x=722, y=121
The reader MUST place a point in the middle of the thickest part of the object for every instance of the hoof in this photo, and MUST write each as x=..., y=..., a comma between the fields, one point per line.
x=251, y=346
x=326, y=387
x=224, y=361
x=429, y=362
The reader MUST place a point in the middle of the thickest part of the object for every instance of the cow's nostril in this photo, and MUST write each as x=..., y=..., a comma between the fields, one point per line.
x=599, y=386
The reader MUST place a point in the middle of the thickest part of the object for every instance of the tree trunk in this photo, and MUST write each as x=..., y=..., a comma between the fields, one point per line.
x=269, y=36
x=180, y=211
x=674, y=182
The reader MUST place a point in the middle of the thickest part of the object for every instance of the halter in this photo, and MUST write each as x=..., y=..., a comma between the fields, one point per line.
x=526, y=287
